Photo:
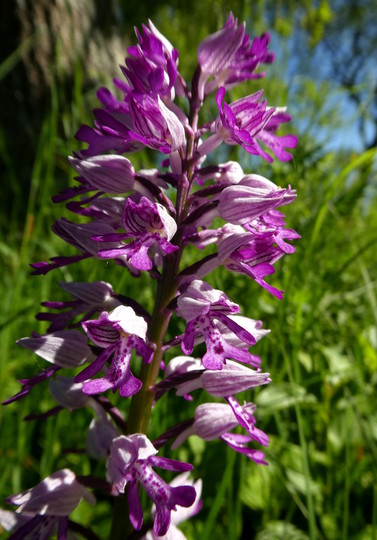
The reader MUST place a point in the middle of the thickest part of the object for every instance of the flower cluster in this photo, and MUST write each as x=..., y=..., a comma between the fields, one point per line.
x=144, y=221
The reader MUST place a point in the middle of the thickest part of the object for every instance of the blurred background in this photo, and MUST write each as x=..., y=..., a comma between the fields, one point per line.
x=320, y=410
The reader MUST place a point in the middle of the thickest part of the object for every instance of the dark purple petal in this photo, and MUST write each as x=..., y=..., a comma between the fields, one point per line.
x=95, y=366
x=174, y=381
x=40, y=527
x=172, y=432
x=28, y=384
x=102, y=331
x=136, y=511
x=62, y=529
x=44, y=267
x=239, y=442
x=161, y=522
x=188, y=341
x=170, y=464
x=184, y=495
x=240, y=332
x=52, y=412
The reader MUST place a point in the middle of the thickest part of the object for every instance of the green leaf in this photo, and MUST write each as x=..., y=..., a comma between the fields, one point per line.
x=280, y=396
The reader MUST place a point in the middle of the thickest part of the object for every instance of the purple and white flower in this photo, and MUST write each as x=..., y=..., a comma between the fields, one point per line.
x=150, y=225
x=144, y=221
x=44, y=509
x=200, y=305
x=182, y=513
x=141, y=120
x=187, y=374
x=230, y=57
x=215, y=420
x=65, y=348
x=118, y=333
x=247, y=121
x=151, y=66
x=79, y=235
x=131, y=462
x=108, y=173
x=87, y=298
x=251, y=198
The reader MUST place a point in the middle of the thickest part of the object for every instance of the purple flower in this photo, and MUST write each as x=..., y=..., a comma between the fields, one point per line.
x=247, y=121
x=131, y=461
x=142, y=120
x=65, y=348
x=229, y=56
x=151, y=67
x=150, y=225
x=246, y=254
x=108, y=173
x=252, y=197
x=182, y=513
x=271, y=226
x=254, y=257
x=104, y=210
x=45, y=508
x=215, y=420
x=154, y=125
x=144, y=221
x=186, y=374
x=118, y=333
x=200, y=306
x=87, y=298
x=79, y=235
x=224, y=172
x=251, y=203
x=28, y=384
x=107, y=134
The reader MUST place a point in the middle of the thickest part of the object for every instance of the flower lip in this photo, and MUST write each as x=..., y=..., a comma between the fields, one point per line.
x=131, y=460
x=118, y=333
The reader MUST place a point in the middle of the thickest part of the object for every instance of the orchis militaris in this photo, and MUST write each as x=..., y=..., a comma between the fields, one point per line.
x=143, y=221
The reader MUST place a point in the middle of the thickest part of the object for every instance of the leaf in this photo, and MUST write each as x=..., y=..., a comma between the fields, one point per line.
x=281, y=396
x=256, y=488
x=281, y=530
x=341, y=369
x=305, y=360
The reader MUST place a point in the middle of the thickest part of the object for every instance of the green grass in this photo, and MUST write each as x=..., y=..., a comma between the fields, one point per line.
x=319, y=410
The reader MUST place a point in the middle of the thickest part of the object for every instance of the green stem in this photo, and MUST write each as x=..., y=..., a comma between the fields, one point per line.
x=307, y=475
x=141, y=403
x=347, y=474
